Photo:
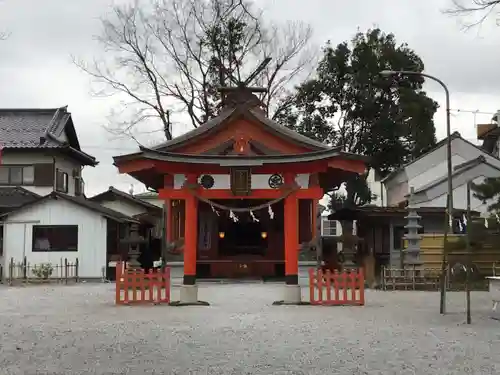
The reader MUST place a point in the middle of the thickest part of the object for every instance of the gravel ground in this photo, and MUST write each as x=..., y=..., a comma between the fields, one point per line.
x=78, y=330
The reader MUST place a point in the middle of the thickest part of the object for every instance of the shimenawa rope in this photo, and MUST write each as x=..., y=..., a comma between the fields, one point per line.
x=240, y=209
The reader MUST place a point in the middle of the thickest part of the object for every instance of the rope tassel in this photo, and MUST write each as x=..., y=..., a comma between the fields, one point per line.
x=214, y=210
x=233, y=217
x=254, y=218
x=270, y=212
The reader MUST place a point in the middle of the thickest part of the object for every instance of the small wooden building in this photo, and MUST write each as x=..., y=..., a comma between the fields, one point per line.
x=383, y=229
x=242, y=192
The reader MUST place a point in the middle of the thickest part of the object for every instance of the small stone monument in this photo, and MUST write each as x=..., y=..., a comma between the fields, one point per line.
x=411, y=255
x=133, y=241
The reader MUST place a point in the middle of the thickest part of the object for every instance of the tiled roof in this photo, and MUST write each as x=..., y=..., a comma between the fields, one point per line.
x=83, y=202
x=107, y=212
x=15, y=196
x=226, y=115
x=146, y=194
x=128, y=197
x=40, y=129
x=25, y=128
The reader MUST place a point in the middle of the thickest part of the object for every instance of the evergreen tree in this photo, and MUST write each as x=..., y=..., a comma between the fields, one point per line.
x=489, y=190
x=348, y=104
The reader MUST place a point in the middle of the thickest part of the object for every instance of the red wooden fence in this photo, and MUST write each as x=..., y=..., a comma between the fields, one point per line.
x=138, y=287
x=336, y=288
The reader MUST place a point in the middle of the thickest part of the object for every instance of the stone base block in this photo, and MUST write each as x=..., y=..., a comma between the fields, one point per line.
x=292, y=295
x=189, y=297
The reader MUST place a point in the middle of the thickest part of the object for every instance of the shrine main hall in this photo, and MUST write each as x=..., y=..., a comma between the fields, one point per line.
x=241, y=193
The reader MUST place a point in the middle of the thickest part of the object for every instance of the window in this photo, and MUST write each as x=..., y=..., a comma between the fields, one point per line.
x=78, y=186
x=55, y=238
x=17, y=175
x=61, y=181
x=328, y=227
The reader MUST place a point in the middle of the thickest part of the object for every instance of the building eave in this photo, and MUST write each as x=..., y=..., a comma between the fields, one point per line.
x=231, y=114
x=125, y=197
x=458, y=171
x=98, y=209
x=438, y=145
x=240, y=160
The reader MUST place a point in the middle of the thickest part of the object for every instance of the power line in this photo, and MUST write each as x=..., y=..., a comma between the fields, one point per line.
x=477, y=111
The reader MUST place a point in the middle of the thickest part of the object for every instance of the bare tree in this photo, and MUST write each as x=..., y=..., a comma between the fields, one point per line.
x=162, y=56
x=477, y=10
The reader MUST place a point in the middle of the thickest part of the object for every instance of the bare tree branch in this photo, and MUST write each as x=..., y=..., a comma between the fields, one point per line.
x=159, y=58
x=474, y=12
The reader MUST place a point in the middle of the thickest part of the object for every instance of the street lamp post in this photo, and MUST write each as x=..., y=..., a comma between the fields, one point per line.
x=449, y=213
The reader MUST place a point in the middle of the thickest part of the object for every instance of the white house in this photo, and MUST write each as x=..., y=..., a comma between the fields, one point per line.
x=427, y=175
x=150, y=197
x=42, y=193
x=132, y=206
x=59, y=226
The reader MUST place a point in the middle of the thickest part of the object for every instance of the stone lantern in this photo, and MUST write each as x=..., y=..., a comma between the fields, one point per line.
x=412, y=252
x=134, y=240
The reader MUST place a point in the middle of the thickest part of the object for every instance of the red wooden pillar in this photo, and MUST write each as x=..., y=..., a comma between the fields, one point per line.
x=190, y=238
x=167, y=211
x=291, y=227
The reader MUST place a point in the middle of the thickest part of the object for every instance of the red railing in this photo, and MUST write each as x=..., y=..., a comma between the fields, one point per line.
x=138, y=287
x=337, y=288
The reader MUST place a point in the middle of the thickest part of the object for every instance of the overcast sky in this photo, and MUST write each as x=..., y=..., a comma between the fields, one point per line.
x=36, y=69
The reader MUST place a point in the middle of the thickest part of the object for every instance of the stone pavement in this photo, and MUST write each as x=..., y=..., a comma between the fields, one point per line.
x=78, y=330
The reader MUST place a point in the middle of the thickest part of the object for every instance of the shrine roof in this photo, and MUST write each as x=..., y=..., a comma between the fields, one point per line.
x=231, y=113
x=239, y=160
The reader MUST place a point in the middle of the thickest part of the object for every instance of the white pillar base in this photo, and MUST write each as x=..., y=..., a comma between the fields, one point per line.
x=292, y=294
x=189, y=294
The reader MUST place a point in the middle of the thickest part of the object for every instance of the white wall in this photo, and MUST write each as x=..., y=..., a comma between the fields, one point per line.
x=431, y=167
x=432, y=172
x=376, y=188
x=65, y=164
x=259, y=181
x=92, y=230
x=460, y=200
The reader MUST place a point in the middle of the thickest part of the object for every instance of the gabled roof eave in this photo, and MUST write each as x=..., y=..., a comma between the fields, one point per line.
x=242, y=160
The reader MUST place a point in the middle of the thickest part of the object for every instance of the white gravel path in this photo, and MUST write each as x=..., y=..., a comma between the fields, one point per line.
x=78, y=330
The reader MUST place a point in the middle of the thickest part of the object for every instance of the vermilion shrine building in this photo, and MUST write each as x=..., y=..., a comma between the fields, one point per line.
x=242, y=192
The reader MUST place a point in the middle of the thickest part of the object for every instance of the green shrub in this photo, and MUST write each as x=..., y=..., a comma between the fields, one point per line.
x=43, y=271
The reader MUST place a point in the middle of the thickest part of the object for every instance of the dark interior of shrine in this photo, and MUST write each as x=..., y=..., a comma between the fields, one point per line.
x=243, y=237
x=242, y=245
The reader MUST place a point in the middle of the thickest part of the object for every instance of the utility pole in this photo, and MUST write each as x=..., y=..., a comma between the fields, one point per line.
x=449, y=208
x=468, y=249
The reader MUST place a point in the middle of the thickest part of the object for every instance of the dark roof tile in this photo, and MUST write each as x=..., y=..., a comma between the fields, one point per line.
x=125, y=196
x=81, y=201
x=16, y=196
x=41, y=129
x=24, y=128
x=227, y=114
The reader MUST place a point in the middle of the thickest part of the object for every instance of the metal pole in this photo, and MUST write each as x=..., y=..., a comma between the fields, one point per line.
x=449, y=208
x=468, y=262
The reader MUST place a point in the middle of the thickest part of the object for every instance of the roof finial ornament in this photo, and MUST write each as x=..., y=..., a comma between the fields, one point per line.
x=242, y=93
